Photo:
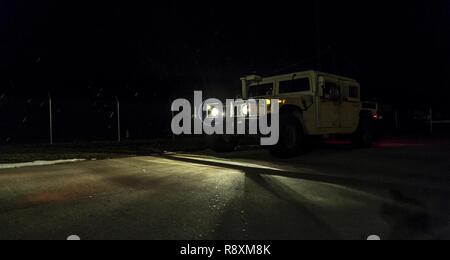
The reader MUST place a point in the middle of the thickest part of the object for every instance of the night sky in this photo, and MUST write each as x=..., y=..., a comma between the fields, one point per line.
x=148, y=50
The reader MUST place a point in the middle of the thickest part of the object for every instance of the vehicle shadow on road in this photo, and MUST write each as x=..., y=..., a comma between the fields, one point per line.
x=284, y=218
x=407, y=217
x=322, y=177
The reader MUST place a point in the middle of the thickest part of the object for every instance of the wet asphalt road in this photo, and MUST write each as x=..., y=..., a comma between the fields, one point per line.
x=398, y=190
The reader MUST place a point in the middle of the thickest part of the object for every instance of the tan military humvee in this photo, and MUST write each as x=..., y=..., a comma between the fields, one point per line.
x=312, y=104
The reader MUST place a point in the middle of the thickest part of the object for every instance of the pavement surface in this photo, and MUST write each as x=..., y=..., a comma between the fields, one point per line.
x=397, y=190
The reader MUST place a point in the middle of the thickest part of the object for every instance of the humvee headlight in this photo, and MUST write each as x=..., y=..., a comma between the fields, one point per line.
x=215, y=112
x=245, y=110
x=280, y=101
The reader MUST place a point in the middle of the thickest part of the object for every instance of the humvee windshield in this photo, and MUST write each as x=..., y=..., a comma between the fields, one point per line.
x=295, y=85
x=260, y=90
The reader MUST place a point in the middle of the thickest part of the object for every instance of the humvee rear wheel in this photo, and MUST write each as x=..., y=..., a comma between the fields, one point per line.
x=363, y=137
x=292, y=139
x=222, y=143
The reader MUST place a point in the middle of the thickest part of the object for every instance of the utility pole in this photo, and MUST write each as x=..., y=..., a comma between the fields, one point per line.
x=119, y=139
x=431, y=120
x=50, y=106
x=396, y=119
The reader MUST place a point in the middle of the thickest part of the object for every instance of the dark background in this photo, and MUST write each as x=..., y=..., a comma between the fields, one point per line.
x=86, y=53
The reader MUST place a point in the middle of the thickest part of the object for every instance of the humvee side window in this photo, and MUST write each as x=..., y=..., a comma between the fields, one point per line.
x=296, y=85
x=260, y=90
x=331, y=91
x=353, y=92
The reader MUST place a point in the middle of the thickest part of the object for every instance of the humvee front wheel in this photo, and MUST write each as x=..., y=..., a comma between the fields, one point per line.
x=222, y=143
x=292, y=139
x=363, y=137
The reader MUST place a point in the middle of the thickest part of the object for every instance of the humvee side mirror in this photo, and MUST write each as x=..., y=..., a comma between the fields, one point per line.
x=321, y=87
x=335, y=94
x=330, y=92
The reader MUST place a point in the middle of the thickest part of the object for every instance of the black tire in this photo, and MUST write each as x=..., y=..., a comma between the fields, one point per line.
x=364, y=136
x=222, y=143
x=292, y=141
